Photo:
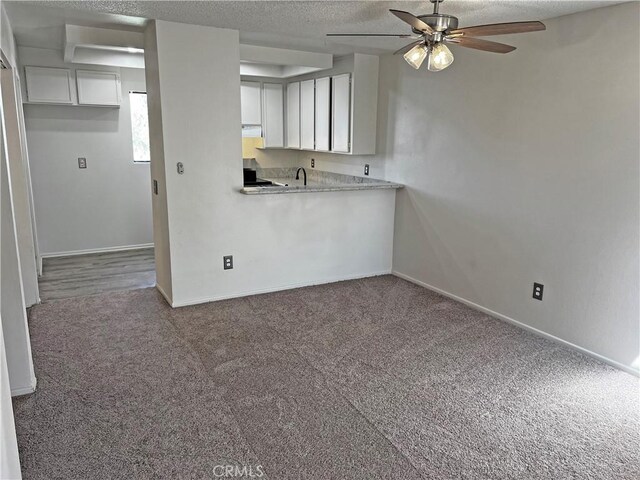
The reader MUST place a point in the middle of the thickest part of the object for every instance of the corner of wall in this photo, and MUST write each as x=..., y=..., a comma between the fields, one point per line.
x=161, y=235
x=7, y=41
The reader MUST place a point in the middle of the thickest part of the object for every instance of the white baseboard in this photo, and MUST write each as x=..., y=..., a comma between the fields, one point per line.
x=524, y=326
x=247, y=293
x=97, y=250
x=26, y=390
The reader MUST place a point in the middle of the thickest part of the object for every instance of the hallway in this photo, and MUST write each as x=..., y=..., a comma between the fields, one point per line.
x=91, y=274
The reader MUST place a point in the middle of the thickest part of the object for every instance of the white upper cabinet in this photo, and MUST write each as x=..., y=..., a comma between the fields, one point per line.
x=293, y=115
x=323, y=113
x=58, y=86
x=341, y=113
x=251, y=103
x=307, y=115
x=273, y=118
x=98, y=88
x=48, y=85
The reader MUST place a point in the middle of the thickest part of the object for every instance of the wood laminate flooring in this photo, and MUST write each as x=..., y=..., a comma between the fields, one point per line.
x=81, y=275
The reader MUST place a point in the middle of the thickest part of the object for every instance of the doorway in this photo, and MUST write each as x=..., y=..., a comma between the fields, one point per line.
x=90, y=175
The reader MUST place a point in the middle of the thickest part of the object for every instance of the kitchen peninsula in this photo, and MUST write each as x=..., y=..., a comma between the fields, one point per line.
x=289, y=180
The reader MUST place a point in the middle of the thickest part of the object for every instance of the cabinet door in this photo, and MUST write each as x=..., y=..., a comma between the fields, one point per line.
x=48, y=85
x=340, y=113
x=307, y=114
x=293, y=115
x=250, y=103
x=273, y=121
x=98, y=88
x=322, y=118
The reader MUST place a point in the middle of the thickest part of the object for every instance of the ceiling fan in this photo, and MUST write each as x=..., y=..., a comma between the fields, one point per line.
x=436, y=29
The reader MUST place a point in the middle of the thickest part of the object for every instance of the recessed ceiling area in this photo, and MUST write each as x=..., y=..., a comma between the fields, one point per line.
x=43, y=26
x=283, y=24
x=103, y=46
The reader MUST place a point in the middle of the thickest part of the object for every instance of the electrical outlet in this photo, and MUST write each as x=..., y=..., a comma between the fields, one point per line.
x=366, y=169
x=313, y=163
x=538, y=288
x=82, y=162
x=227, y=262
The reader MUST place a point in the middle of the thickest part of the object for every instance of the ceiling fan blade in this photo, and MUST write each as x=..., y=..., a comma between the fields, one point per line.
x=414, y=21
x=406, y=48
x=399, y=35
x=480, y=44
x=498, y=29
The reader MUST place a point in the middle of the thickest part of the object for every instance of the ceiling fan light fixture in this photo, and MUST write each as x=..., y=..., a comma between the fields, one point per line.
x=440, y=57
x=434, y=29
x=416, y=55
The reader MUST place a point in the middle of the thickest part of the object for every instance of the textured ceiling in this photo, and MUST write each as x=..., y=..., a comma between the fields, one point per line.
x=289, y=24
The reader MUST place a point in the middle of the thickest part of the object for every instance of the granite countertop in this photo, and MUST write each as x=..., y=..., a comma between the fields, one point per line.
x=317, y=181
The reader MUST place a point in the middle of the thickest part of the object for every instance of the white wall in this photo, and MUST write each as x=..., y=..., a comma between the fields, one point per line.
x=7, y=40
x=9, y=459
x=20, y=187
x=277, y=241
x=12, y=304
x=108, y=205
x=523, y=168
x=162, y=245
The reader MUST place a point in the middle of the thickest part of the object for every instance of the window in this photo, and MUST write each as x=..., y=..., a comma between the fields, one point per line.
x=139, y=126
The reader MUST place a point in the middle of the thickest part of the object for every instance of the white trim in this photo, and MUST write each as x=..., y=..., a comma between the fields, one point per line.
x=524, y=326
x=97, y=250
x=273, y=289
x=16, y=392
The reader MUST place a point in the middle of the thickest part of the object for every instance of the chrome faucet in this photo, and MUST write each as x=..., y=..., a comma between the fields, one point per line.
x=305, y=175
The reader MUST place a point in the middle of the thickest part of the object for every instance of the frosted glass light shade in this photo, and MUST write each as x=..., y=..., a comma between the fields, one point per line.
x=416, y=56
x=440, y=58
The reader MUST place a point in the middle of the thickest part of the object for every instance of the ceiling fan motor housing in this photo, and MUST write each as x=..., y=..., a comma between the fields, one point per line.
x=439, y=22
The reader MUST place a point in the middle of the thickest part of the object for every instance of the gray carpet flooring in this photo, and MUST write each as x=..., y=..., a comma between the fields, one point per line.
x=366, y=379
